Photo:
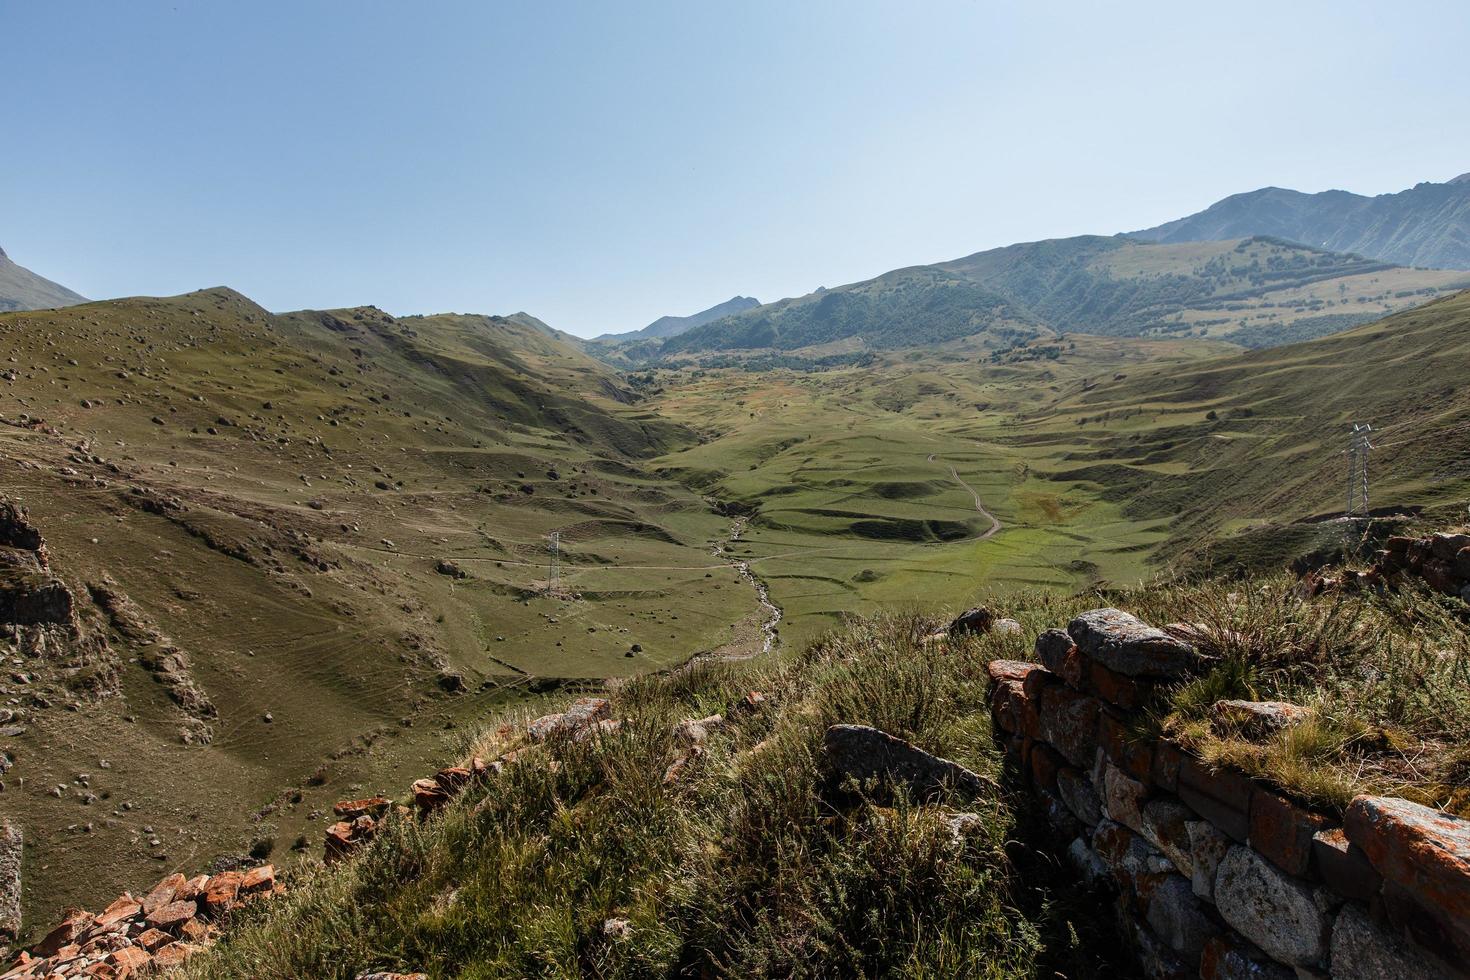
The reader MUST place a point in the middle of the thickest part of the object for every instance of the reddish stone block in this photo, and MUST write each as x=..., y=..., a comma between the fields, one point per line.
x=1133, y=757
x=1007, y=699
x=129, y=960
x=172, y=956
x=1165, y=772
x=428, y=795
x=1069, y=723
x=1424, y=852
x=1282, y=831
x=453, y=779
x=221, y=893
x=352, y=809
x=1037, y=681
x=191, y=890
x=72, y=925
x=153, y=939
x=170, y=917
x=1129, y=693
x=261, y=879
x=119, y=912
x=1009, y=670
x=1343, y=866
x=163, y=892
x=1045, y=762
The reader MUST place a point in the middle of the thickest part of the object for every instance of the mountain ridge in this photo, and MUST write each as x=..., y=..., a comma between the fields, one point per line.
x=1255, y=291
x=1425, y=226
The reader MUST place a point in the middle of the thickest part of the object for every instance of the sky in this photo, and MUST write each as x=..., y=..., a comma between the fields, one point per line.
x=601, y=164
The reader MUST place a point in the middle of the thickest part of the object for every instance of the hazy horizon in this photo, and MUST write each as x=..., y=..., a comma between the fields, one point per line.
x=599, y=168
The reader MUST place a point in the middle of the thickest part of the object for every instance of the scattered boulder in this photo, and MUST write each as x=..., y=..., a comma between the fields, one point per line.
x=977, y=620
x=865, y=753
x=582, y=714
x=446, y=567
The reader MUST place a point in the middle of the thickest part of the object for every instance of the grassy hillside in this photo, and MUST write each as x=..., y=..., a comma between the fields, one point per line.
x=272, y=496
x=1426, y=226
x=22, y=289
x=586, y=858
x=1225, y=445
x=1256, y=292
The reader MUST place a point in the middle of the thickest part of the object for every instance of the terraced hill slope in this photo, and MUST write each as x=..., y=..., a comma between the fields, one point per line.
x=22, y=289
x=1254, y=292
x=1427, y=225
x=291, y=540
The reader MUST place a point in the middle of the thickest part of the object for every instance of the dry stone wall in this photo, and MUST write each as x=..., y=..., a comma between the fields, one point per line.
x=1217, y=875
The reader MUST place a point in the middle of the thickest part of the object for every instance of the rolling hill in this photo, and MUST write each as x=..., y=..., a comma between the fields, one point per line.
x=22, y=289
x=1254, y=292
x=302, y=549
x=1427, y=225
x=672, y=326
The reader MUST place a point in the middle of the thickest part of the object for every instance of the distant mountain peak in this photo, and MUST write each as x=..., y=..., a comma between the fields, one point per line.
x=1462, y=179
x=22, y=289
x=673, y=326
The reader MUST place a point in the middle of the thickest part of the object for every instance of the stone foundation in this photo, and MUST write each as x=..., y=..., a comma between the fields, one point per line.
x=1215, y=874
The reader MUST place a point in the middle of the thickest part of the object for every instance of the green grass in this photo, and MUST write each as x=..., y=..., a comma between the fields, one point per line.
x=752, y=865
x=738, y=869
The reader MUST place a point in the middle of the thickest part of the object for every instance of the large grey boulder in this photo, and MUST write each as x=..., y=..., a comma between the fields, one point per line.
x=1175, y=916
x=1124, y=643
x=1278, y=913
x=865, y=753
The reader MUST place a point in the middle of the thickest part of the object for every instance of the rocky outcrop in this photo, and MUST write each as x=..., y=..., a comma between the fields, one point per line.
x=29, y=594
x=1215, y=874
x=136, y=937
x=11, y=841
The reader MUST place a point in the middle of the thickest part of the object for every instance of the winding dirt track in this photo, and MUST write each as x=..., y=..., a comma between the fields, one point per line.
x=995, y=524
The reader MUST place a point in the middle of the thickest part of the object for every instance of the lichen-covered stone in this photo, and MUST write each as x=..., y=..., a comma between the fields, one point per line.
x=1078, y=794
x=1362, y=950
x=1425, y=851
x=1166, y=826
x=1175, y=916
x=1123, y=798
x=1069, y=722
x=1226, y=959
x=1278, y=913
x=1126, y=644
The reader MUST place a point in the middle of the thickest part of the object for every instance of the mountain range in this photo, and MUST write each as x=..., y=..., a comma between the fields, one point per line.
x=1427, y=225
x=1256, y=291
x=22, y=289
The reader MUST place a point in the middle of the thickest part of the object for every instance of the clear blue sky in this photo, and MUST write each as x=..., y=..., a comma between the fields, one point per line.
x=600, y=164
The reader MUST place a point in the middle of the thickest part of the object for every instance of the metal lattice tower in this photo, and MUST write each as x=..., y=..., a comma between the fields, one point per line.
x=1357, y=476
x=553, y=545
